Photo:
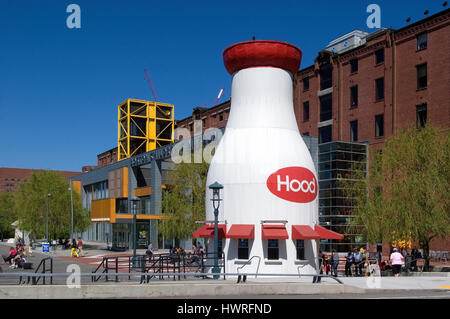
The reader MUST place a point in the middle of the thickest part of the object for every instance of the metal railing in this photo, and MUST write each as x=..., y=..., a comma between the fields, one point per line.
x=298, y=270
x=112, y=263
x=139, y=275
x=408, y=265
x=40, y=273
x=248, y=262
x=158, y=265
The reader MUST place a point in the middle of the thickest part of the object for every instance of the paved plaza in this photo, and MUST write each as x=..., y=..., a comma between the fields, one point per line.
x=434, y=285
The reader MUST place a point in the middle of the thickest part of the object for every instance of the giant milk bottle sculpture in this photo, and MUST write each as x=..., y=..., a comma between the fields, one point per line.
x=262, y=161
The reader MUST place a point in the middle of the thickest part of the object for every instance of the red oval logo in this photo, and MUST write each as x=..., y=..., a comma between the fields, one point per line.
x=295, y=184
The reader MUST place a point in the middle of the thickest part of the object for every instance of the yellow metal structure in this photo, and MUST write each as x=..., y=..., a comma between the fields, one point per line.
x=143, y=126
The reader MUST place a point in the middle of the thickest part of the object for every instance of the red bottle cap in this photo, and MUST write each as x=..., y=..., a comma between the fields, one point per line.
x=256, y=53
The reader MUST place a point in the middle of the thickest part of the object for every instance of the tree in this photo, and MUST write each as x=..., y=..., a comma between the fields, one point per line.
x=31, y=205
x=405, y=195
x=8, y=214
x=183, y=202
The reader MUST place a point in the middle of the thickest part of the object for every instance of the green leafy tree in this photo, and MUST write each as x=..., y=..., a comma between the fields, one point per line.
x=183, y=202
x=8, y=214
x=405, y=195
x=31, y=205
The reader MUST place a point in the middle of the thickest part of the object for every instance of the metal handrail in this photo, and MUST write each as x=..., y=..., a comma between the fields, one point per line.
x=248, y=262
x=407, y=264
x=298, y=270
x=35, y=279
x=174, y=264
x=34, y=275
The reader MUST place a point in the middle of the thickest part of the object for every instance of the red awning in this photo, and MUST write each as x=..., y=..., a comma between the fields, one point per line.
x=207, y=231
x=326, y=233
x=304, y=232
x=274, y=232
x=241, y=231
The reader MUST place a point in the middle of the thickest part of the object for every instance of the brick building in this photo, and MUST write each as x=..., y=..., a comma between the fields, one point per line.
x=215, y=116
x=108, y=157
x=363, y=87
x=11, y=178
x=368, y=89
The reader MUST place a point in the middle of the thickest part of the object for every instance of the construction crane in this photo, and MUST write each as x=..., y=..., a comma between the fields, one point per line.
x=151, y=84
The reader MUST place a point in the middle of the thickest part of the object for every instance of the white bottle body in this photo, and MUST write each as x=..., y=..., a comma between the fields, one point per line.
x=261, y=137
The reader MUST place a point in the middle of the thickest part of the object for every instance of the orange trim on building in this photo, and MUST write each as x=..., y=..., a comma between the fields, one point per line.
x=76, y=186
x=142, y=191
x=124, y=182
x=139, y=216
x=103, y=210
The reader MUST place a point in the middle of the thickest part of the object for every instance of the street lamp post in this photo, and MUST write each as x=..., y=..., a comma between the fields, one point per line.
x=216, y=187
x=46, y=223
x=134, y=203
x=71, y=211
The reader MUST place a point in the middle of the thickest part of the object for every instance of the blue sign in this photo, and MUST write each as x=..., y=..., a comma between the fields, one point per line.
x=45, y=247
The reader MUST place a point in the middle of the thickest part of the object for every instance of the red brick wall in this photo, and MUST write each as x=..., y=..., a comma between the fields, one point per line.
x=214, y=117
x=11, y=178
x=400, y=83
x=107, y=157
x=310, y=95
x=437, y=57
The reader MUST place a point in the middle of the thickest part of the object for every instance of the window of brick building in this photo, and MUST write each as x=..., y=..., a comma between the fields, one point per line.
x=422, y=41
x=326, y=77
x=379, y=125
x=421, y=115
x=353, y=66
x=421, y=76
x=326, y=112
x=325, y=134
x=354, y=131
x=220, y=117
x=354, y=96
x=379, y=89
x=305, y=111
x=379, y=56
x=306, y=83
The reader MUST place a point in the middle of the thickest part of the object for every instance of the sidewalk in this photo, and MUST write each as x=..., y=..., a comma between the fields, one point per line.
x=190, y=287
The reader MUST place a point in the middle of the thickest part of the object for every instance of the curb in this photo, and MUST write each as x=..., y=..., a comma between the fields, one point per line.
x=172, y=290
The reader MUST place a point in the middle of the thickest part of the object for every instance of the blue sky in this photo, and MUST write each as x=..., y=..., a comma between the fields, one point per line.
x=60, y=87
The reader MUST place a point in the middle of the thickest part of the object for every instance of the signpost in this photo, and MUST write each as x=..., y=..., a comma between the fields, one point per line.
x=45, y=247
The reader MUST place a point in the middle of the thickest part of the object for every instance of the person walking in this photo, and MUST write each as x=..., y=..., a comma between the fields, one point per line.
x=348, y=263
x=335, y=260
x=317, y=279
x=396, y=261
x=74, y=249
x=149, y=251
x=80, y=247
x=357, y=259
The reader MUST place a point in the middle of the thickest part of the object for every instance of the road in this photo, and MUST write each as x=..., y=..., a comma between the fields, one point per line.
x=389, y=295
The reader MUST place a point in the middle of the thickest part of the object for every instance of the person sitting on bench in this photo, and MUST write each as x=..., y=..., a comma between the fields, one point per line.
x=10, y=257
